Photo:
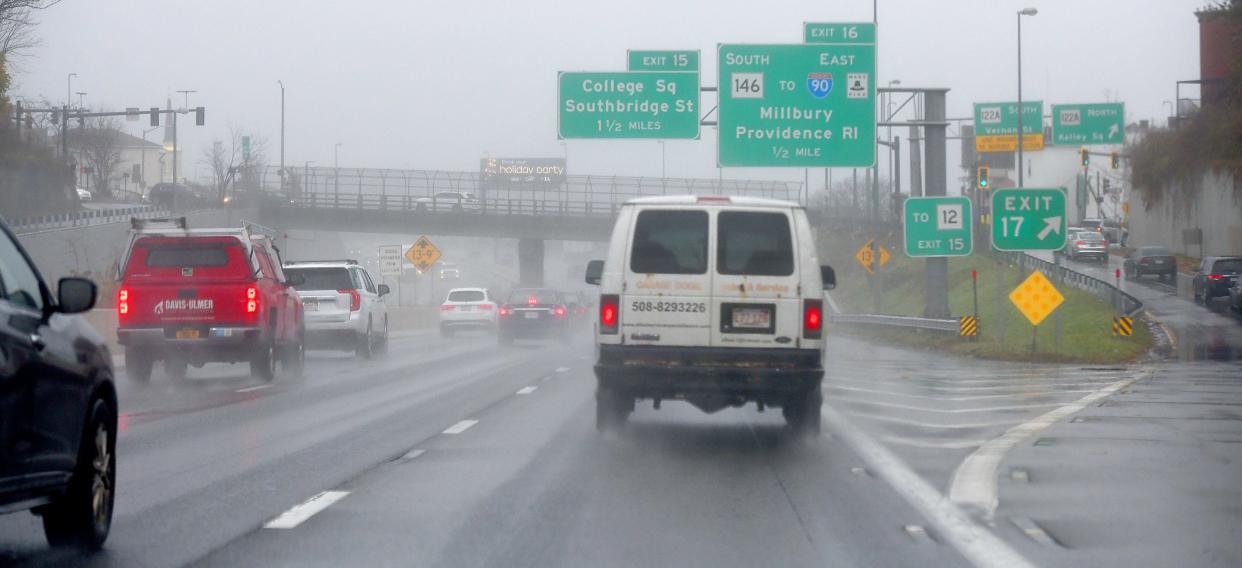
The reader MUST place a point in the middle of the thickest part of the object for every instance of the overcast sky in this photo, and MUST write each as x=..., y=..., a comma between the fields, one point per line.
x=436, y=85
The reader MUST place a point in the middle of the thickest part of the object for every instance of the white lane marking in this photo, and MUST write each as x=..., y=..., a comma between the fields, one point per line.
x=977, y=544
x=562, y=369
x=254, y=388
x=1037, y=533
x=413, y=454
x=952, y=398
x=527, y=390
x=974, y=482
x=547, y=378
x=932, y=443
x=460, y=427
x=300, y=513
x=917, y=532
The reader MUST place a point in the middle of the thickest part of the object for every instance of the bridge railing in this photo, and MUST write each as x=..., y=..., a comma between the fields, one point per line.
x=32, y=224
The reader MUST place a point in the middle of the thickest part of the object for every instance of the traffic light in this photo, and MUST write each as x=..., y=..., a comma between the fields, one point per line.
x=1114, y=160
x=984, y=180
x=1086, y=157
x=199, y=116
x=155, y=116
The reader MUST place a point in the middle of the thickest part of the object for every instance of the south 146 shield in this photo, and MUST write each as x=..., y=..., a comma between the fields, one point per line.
x=819, y=84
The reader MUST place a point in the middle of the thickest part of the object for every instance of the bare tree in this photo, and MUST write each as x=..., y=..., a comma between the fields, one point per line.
x=100, y=144
x=228, y=162
x=17, y=25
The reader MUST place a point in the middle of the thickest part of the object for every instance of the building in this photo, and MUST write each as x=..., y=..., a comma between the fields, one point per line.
x=141, y=163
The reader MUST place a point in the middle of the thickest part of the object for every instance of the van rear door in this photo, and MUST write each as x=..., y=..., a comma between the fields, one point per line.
x=756, y=279
x=668, y=280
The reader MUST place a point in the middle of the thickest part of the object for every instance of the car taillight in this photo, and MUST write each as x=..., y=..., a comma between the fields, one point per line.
x=486, y=307
x=1078, y=243
x=1105, y=242
x=355, y=300
x=559, y=311
x=252, y=300
x=609, y=314
x=122, y=303
x=446, y=307
x=1216, y=276
x=812, y=319
x=504, y=312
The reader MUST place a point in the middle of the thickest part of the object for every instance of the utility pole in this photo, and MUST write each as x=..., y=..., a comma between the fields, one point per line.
x=282, y=135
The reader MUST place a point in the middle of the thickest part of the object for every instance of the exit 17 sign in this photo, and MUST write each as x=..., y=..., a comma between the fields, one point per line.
x=938, y=226
x=1028, y=219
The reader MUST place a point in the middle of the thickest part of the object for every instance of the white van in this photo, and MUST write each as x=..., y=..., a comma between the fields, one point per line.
x=717, y=301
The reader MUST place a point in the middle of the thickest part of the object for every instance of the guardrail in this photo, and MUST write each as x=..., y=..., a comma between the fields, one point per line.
x=1120, y=300
x=933, y=324
x=24, y=225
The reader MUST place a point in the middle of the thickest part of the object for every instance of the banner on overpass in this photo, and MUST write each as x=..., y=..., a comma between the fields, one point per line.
x=538, y=172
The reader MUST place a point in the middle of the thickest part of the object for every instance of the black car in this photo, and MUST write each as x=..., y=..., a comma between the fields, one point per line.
x=1215, y=276
x=58, y=413
x=1150, y=260
x=533, y=313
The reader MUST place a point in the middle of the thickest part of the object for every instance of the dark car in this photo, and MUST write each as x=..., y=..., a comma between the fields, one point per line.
x=58, y=413
x=1150, y=260
x=1215, y=276
x=533, y=313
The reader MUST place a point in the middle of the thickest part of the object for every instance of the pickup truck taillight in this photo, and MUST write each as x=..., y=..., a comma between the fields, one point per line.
x=504, y=312
x=355, y=300
x=252, y=300
x=812, y=319
x=122, y=303
x=609, y=314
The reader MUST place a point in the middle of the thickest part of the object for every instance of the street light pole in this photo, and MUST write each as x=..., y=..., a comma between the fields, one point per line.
x=69, y=89
x=80, y=94
x=1021, y=134
x=282, y=135
x=336, y=170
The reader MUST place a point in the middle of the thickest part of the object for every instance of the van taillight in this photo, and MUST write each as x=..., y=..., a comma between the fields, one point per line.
x=122, y=303
x=812, y=319
x=252, y=300
x=609, y=314
x=355, y=300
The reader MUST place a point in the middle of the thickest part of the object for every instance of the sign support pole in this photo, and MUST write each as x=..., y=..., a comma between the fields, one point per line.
x=937, y=272
x=974, y=293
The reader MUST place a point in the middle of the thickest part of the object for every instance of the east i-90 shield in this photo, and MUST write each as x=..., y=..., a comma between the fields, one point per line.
x=819, y=84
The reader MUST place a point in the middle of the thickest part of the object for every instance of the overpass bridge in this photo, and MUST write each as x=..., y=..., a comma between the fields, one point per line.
x=405, y=202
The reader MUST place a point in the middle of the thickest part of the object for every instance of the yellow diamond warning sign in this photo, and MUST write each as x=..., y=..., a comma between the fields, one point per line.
x=423, y=254
x=1036, y=297
x=866, y=256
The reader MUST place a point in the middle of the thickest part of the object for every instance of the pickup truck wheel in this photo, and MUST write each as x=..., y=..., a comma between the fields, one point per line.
x=83, y=516
x=138, y=366
x=802, y=412
x=263, y=361
x=293, y=363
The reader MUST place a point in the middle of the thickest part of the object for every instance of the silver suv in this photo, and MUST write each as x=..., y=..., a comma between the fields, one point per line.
x=345, y=309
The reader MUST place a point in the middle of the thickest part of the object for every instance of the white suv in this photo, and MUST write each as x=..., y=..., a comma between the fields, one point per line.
x=344, y=308
x=467, y=308
x=717, y=301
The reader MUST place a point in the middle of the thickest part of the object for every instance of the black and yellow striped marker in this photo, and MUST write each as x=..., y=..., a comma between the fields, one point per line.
x=968, y=326
x=1123, y=326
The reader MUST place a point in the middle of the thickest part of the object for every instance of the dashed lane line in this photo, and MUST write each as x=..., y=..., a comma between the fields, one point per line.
x=976, y=543
x=562, y=369
x=254, y=388
x=307, y=509
x=974, y=482
x=460, y=427
x=527, y=390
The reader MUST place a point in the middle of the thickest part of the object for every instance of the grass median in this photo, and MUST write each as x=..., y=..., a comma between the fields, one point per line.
x=1085, y=320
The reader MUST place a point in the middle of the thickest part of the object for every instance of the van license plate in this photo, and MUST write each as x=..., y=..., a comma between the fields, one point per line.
x=752, y=318
x=187, y=334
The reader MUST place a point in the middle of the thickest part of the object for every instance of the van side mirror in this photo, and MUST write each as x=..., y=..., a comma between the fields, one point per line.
x=384, y=290
x=75, y=295
x=594, y=272
x=828, y=276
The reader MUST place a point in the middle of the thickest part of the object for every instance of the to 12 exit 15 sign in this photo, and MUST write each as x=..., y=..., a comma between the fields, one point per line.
x=938, y=226
x=628, y=104
x=662, y=60
x=1028, y=219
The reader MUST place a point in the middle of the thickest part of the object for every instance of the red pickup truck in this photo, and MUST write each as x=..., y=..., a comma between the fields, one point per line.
x=193, y=296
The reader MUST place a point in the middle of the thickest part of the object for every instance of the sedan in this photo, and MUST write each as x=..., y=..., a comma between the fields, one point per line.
x=1150, y=260
x=1088, y=244
x=533, y=313
x=449, y=201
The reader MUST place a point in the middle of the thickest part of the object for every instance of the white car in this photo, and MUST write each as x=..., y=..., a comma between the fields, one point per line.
x=717, y=301
x=344, y=308
x=449, y=201
x=467, y=308
x=84, y=195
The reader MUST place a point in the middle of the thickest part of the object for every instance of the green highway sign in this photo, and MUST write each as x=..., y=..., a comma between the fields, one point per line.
x=938, y=226
x=662, y=60
x=807, y=105
x=1028, y=219
x=996, y=126
x=1099, y=123
x=628, y=104
x=813, y=32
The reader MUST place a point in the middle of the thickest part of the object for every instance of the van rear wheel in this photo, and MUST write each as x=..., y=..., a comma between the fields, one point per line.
x=612, y=408
x=802, y=412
